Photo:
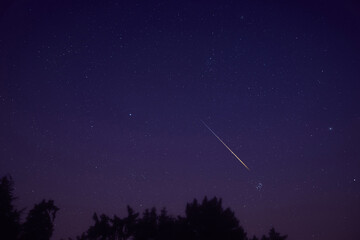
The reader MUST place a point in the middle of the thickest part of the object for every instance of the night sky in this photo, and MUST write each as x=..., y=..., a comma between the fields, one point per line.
x=101, y=104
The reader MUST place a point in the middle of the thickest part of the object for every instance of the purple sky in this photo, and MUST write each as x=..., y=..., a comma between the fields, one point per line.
x=101, y=105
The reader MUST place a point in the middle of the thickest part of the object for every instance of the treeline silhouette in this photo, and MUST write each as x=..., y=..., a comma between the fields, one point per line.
x=39, y=223
x=203, y=220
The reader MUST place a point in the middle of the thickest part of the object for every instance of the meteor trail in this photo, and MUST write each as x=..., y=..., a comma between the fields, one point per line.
x=224, y=144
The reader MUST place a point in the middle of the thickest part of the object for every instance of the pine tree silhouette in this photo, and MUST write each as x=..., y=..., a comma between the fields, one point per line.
x=9, y=216
x=166, y=226
x=146, y=227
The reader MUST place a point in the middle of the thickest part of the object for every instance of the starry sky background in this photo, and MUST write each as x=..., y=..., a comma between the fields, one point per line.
x=101, y=102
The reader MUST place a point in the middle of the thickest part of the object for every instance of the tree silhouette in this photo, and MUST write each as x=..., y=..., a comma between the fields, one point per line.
x=40, y=221
x=146, y=227
x=117, y=228
x=106, y=228
x=206, y=220
x=209, y=220
x=101, y=229
x=167, y=226
x=9, y=216
x=130, y=223
x=273, y=235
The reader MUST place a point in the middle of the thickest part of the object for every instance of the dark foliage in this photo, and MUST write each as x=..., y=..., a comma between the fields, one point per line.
x=273, y=235
x=106, y=228
x=209, y=220
x=39, y=222
x=9, y=216
x=206, y=220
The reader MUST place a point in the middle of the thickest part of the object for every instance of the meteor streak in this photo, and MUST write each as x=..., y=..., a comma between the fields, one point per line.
x=224, y=144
